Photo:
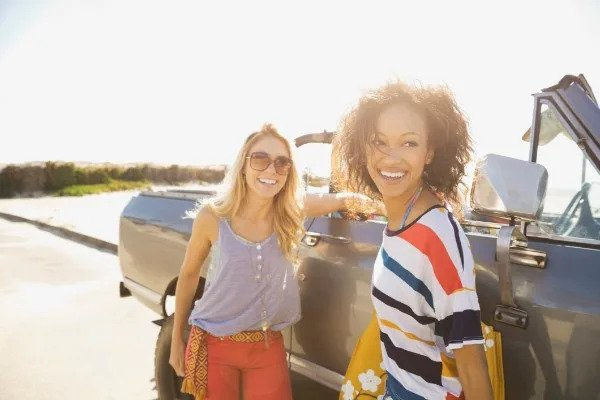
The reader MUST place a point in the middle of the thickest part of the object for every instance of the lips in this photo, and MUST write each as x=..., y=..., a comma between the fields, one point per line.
x=392, y=175
x=265, y=181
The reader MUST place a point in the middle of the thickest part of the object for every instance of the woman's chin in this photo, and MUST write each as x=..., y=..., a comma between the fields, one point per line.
x=392, y=190
x=265, y=193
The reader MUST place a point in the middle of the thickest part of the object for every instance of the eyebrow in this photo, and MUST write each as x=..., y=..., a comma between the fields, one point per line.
x=402, y=134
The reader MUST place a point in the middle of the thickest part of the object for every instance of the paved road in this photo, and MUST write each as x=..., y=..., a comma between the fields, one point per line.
x=65, y=333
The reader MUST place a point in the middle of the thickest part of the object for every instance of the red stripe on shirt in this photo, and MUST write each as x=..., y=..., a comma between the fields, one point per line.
x=427, y=242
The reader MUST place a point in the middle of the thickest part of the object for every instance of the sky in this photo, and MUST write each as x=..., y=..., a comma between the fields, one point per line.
x=186, y=81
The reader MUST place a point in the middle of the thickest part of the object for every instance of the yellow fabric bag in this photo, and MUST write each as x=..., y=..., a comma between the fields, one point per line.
x=365, y=376
x=493, y=355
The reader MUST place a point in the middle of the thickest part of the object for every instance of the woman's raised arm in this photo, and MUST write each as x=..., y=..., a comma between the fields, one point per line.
x=317, y=204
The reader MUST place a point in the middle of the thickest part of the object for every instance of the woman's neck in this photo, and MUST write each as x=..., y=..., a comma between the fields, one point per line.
x=396, y=206
x=256, y=209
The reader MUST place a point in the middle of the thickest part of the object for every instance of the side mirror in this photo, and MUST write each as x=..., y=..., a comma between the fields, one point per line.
x=509, y=188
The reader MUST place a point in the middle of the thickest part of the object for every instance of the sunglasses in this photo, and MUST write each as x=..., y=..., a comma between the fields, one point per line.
x=259, y=161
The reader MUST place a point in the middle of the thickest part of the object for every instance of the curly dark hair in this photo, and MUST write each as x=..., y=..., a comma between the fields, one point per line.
x=446, y=130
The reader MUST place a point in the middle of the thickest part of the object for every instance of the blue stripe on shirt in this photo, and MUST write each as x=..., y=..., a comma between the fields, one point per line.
x=404, y=274
x=400, y=392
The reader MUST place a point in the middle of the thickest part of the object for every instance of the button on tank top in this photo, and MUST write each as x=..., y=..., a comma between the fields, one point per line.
x=249, y=286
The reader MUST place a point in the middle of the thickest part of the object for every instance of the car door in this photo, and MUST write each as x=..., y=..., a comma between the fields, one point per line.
x=335, y=287
x=337, y=255
x=557, y=354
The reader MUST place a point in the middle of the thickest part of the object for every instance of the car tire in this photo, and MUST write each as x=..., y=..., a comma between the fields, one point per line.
x=168, y=384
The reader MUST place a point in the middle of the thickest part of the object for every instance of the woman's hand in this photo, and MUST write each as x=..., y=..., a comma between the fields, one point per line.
x=177, y=357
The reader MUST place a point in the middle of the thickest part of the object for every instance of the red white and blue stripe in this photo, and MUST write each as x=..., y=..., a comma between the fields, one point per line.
x=426, y=304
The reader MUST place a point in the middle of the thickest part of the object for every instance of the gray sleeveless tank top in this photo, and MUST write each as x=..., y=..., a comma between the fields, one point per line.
x=249, y=286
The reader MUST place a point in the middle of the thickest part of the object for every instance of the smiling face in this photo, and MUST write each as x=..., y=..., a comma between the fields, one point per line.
x=266, y=184
x=398, y=152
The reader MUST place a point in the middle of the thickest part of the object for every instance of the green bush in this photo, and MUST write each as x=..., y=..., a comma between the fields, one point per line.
x=81, y=176
x=10, y=182
x=210, y=175
x=133, y=174
x=172, y=172
x=60, y=176
x=55, y=176
x=96, y=176
x=115, y=172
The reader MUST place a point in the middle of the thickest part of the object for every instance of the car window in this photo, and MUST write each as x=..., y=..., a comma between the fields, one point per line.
x=572, y=203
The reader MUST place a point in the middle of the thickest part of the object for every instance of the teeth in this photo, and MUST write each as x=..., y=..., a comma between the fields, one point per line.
x=267, y=181
x=392, y=174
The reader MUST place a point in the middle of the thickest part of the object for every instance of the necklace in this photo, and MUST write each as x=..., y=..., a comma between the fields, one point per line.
x=410, y=206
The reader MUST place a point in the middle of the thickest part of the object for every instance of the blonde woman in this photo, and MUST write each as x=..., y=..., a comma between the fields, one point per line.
x=251, y=293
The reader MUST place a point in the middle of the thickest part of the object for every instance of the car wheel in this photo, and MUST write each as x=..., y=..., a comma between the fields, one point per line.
x=168, y=384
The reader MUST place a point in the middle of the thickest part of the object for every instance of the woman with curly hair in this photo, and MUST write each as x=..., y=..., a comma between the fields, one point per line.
x=408, y=146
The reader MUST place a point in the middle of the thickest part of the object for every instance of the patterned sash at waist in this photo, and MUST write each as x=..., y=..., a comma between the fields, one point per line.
x=196, y=356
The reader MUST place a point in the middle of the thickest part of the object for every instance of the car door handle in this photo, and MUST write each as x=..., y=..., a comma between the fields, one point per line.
x=312, y=238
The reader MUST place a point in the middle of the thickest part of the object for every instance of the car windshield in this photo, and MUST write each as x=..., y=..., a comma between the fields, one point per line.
x=572, y=202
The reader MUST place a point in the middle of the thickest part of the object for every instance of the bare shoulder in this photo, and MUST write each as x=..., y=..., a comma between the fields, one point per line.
x=206, y=224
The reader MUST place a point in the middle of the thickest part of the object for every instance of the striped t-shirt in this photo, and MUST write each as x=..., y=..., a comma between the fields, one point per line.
x=426, y=304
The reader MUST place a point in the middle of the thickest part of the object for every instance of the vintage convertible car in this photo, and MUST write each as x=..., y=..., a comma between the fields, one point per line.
x=534, y=230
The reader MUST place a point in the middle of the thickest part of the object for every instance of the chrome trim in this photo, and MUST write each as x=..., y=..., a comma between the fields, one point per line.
x=483, y=224
x=508, y=312
x=191, y=195
x=319, y=374
x=481, y=228
x=511, y=315
x=325, y=236
x=480, y=234
x=564, y=239
x=506, y=237
x=310, y=240
x=528, y=257
x=142, y=291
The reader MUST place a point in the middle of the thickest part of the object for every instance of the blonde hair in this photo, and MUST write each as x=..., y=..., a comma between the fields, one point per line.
x=287, y=207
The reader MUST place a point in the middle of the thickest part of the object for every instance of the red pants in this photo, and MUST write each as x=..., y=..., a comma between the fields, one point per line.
x=260, y=372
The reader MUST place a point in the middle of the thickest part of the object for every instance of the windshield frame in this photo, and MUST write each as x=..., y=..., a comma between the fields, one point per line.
x=580, y=116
